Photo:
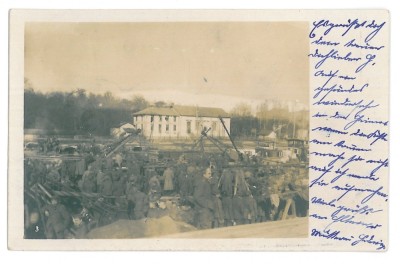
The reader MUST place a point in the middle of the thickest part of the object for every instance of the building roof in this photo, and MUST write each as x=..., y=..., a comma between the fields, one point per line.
x=125, y=125
x=153, y=110
x=181, y=110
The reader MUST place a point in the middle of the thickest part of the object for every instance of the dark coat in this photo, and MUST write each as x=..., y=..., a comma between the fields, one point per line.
x=202, y=194
x=106, y=187
x=226, y=183
x=89, y=184
x=58, y=220
x=119, y=184
x=139, y=201
x=204, y=203
x=185, y=184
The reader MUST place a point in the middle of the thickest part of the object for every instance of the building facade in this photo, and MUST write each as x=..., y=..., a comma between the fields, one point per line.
x=181, y=122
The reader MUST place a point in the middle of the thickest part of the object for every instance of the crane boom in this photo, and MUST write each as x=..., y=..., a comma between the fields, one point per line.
x=230, y=137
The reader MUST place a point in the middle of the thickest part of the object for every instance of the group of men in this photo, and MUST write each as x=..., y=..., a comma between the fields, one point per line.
x=237, y=197
x=220, y=196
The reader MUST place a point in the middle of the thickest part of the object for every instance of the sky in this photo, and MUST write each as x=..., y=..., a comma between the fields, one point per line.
x=203, y=63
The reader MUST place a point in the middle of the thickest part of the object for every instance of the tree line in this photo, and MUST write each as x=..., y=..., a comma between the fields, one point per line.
x=266, y=119
x=78, y=112
x=83, y=113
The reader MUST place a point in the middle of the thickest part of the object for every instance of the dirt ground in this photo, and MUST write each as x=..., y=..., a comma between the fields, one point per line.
x=292, y=228
x=151, y=227
x=166, y=227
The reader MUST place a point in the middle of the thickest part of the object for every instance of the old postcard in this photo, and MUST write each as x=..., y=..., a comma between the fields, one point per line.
x=199, y=130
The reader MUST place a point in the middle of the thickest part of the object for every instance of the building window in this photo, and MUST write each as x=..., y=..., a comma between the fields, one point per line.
x=174, y=128
x=160, y=118
x=166, y=118
x=174, y=118
x=167, y=128
x=159, y=128
x=152, y=118
x=189, y=127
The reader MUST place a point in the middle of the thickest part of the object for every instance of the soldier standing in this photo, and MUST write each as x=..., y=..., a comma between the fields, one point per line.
x=241, y=210
x=119, y=186
x=58, y=219
x=185, y=183
x=85, y=175
x=216, y=195
x=106, y=187
x=168, y=180
x=89, y=183
x=138, y=202
x=226, y=186
x=154, y=189
x=99, y=177
x=203, y=201
x=53, y=178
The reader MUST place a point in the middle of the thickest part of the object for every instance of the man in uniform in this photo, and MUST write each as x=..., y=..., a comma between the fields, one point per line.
x=226, y=186
x=168, y=180
x=100, y=177
x=185, y=182
x=240, y=202
x=53, y=178
x=216, y=196
x=106, y=186
x=118, y=186
x=138, y=202
x=203, y=201
x=154, y=188
x=89, y=183
x=57, y=220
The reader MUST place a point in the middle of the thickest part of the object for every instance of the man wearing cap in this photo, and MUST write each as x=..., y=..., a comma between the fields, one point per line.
x=203, y=201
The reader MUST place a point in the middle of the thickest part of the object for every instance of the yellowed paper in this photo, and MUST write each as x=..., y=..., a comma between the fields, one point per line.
x=328, y=70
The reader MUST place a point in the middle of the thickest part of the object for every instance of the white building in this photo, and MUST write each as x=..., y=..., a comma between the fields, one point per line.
x=180, y=122
x=122, y=129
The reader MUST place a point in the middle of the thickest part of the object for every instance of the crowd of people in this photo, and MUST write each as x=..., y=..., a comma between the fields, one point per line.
x=219, y=193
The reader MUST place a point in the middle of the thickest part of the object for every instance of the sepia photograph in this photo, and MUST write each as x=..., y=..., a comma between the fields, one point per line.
x=193, y=130
x=166, y=130
x=188, y=132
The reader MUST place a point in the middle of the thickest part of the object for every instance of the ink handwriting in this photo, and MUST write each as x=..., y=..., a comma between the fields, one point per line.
x=350, y=25
x=349, y=135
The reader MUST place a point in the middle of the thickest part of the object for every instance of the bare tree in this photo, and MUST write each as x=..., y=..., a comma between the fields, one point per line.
x=241, y=109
